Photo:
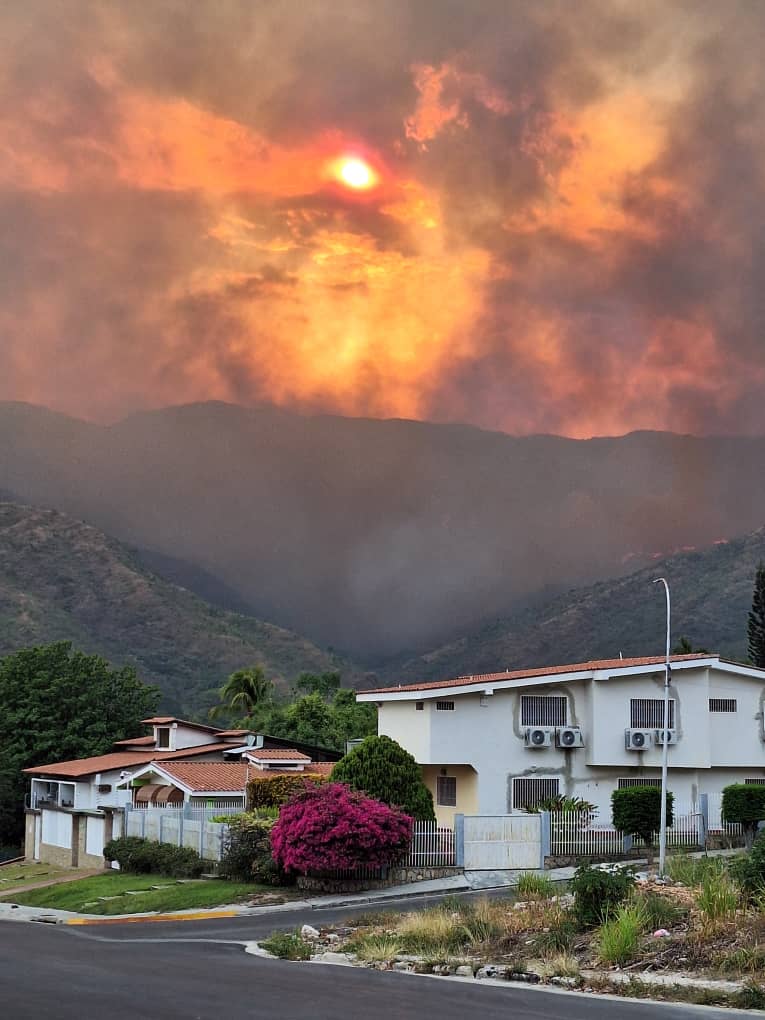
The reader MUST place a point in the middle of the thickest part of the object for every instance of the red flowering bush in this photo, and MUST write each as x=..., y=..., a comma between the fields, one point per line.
x=328, y=827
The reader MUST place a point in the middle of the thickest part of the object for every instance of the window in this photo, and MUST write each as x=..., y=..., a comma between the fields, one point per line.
x=543, y=710
x=527, y=793
x=419, y=706
x=640, y=781
x=163, y=737
x=444, y=706
x=446, y=791
x=648, y=713
x=722, y=705
x=755, y=781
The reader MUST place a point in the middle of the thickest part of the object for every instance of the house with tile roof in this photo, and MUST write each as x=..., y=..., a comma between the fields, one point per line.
x=75, y=807
x=497, y=743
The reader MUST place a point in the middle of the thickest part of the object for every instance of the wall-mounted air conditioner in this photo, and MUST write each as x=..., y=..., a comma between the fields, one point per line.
x=539, y=736
x=658, y=737
x=569, y=736
x=638, y=740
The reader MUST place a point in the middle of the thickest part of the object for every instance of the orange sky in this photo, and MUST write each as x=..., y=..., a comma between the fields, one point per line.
x=556, y=228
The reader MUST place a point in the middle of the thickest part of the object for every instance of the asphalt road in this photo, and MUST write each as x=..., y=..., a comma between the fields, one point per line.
x=199, y=971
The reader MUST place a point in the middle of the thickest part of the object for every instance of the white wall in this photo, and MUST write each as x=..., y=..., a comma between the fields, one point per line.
x=56, y=828
x=713, y=749
x=94, y=835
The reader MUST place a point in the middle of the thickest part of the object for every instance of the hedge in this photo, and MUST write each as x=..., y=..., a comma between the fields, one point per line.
x=144, y=857
x=744, y=803
x=277, y=790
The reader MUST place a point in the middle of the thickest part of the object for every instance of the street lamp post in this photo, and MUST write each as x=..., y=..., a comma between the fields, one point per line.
x=665, y=742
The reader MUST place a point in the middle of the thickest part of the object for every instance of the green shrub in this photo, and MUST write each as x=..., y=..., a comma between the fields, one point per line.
x=287, y=946
x=382, y=769
x=744, y=803
x=598, y=892
x=620, y=936
x=749, y=869
x=532, y=886
x=636, y=811
x=274, y=791
x=247, y=853
x=144, y=857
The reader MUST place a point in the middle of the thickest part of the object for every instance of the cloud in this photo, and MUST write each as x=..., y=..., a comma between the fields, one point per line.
x=565, y=235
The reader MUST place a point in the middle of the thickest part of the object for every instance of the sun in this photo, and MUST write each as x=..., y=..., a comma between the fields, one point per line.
x=355, y=173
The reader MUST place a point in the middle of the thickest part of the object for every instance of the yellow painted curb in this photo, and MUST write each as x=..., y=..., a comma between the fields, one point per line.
x=201, y=916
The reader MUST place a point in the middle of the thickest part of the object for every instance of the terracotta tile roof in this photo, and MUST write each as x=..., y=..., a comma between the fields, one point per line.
x=135, y=742
x=233, y=733
x=277, y=754
x=210, y=776
x=81, y=767
x=527, y=674
x=166, y=720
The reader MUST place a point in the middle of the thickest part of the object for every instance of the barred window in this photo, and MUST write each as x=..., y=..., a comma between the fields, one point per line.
x=527, y=793
x=444, y=706
x=639, y=781
x=446, y=791
x=419, y=706
x=755, y=781
x=543, y=710
x=648, y=713
x=722, y=705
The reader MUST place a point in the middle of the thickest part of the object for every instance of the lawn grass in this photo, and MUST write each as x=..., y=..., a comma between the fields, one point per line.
x=14, y=875
x=82, y=895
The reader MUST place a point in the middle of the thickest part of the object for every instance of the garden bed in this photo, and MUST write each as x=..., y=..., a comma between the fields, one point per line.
x=696, y=938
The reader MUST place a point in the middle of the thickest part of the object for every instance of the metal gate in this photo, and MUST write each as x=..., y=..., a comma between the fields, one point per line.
x=503, y=842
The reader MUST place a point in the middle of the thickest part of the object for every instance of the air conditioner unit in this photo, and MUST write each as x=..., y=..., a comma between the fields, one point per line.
x=658, y=736
x=569, y=736
x=638, y=740
x=539, y=736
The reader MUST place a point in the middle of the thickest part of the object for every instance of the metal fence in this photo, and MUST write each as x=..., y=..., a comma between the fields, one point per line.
x=432, y=846
x=583, y=834
x=182, y=826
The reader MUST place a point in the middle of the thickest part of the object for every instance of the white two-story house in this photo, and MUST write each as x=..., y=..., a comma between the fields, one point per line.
x=496, y=743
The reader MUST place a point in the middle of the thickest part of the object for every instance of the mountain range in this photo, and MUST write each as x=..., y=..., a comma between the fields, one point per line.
x=62, y=579
x=381, y=538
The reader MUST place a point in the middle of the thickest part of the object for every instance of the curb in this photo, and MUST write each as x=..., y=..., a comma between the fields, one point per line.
x=138, y=919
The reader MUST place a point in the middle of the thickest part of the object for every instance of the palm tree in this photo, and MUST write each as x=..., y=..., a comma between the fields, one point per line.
x=244, y=690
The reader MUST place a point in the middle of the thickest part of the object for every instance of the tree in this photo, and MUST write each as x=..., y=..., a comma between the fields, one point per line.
x=636, y=811
x=244, y=690
x=756, y=623
x=57, y=704
x=312, y=720
x=383, y=769
x=744, y=803
x=330, y=827
x=684, y=647
x=323, y=684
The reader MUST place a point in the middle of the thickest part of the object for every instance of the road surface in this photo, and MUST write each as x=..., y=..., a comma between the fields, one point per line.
x=199, y=970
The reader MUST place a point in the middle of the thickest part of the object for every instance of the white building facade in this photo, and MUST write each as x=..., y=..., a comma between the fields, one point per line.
x=500, y=742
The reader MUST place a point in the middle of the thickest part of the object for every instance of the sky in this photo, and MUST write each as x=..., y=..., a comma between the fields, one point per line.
x=532, y=217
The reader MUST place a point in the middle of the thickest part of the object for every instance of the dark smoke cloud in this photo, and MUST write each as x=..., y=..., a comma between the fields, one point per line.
x=565, y=237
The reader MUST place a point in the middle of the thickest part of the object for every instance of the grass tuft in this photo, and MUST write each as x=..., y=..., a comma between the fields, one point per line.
x=377, y=948
x=660, y=911
x=692, y=871
x=534, y=886
x=718, y=898
x=620, y=937
x=287, y=946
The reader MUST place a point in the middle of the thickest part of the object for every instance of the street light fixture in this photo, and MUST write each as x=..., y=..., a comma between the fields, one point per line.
x=665, y=742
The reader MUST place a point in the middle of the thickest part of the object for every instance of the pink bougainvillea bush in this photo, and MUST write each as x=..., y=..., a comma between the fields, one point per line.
x=330, y=827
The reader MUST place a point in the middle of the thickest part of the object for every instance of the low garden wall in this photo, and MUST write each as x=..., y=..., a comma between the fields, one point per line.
x=395, y=876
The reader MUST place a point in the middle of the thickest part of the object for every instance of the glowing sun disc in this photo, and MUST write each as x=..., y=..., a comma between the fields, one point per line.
x=357, y=174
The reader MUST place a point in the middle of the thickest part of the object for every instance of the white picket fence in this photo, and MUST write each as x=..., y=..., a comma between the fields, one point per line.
x=432, y=846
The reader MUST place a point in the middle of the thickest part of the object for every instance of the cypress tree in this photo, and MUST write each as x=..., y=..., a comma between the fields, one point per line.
x=382, y=769
x=756, y=625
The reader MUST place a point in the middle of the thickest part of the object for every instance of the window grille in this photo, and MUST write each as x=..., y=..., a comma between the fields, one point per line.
x=722, y=705
x=648, y=713
x=640, y=781
x=444, y=706
x=527, y=793
x=755, y=781
x=419, y=706
x=543, y=710
x=446, y=791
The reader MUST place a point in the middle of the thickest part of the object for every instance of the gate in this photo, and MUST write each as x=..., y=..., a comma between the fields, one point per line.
x=503, y=842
